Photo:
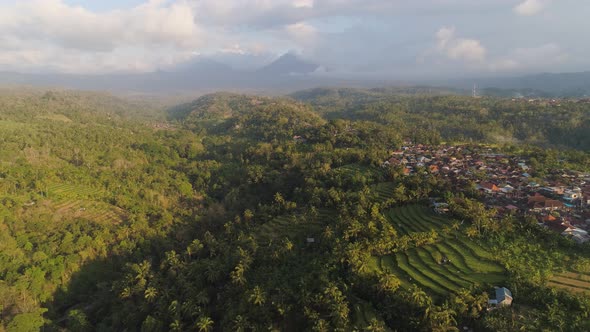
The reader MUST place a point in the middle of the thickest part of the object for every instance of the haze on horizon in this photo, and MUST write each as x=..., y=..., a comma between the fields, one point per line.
x=392, y=39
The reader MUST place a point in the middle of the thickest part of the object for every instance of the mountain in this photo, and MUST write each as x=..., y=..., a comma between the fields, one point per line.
x=201, y=74
x=288, y=64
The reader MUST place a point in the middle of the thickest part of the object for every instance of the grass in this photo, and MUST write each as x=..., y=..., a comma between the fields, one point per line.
x=54, y=117
x=469, y=263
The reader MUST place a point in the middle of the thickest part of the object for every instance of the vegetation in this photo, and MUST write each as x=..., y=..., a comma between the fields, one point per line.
x=245, y=213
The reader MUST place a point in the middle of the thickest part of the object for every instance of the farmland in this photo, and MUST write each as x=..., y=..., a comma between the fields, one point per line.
x=571, y=281
x=78, y=201
x=441, y=268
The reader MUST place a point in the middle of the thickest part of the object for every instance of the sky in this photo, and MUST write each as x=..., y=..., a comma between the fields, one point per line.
x=394, y=39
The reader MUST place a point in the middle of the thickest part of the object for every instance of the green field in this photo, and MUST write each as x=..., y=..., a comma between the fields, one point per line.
x=69, y=200
x=90, y=210
x=571, y=281
x=469, y=263
x=72, y=191
x=356, y=169
x=384, y=190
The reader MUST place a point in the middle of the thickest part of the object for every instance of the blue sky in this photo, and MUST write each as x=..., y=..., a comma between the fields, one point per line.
x=377, y=38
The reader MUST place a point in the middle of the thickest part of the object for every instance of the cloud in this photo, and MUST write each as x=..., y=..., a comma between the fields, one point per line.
x=365, y=36
x=469, y=50
x=530, y=7
x=544, y=57
x=302, y=33
x=53, y=34
x=152, y=23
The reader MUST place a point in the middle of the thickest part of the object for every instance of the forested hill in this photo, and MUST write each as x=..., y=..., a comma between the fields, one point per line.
x=245, y=213
x=243, y=114
x=460, y=118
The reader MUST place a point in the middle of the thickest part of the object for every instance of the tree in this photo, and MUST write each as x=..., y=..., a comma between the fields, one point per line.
x=150, y=294
x=205, y=324
x=27, y=322
x=257, y=296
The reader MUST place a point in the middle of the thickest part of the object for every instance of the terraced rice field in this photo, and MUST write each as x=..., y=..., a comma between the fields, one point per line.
x=90, y=210
x=291, y=226
x=69, y=190
x=78, y=201
x=468, y=262
x=384, y=190
x=571, y=281
x=353, y=169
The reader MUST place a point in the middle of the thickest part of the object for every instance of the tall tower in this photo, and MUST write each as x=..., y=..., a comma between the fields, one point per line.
x=474, y=91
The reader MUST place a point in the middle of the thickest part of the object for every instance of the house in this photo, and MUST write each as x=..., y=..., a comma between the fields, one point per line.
x=572, y=194
x=577, y=234
x=488, y=187
x=503, y=297
x=538, y=202
x=441, y=208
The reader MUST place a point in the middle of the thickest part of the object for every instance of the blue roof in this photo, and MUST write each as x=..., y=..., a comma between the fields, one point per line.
x=502, y=293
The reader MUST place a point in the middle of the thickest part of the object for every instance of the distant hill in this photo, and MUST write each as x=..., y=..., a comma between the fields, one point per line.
x=288, y=64
x=539, y=85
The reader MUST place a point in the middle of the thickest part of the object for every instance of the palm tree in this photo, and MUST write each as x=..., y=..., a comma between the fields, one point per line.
x=241, y=324
x=419, y=297
x=237, y=275
x=205, y=324
x=257, y=297
x=176, y=325
x=150, y=294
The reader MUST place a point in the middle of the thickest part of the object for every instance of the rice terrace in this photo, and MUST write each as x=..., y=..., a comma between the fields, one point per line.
x=451, y=263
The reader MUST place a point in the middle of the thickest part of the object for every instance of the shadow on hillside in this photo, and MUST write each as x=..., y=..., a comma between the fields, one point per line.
x=89, y=301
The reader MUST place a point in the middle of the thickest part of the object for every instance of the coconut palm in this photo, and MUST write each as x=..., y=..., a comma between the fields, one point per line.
x=205, y=324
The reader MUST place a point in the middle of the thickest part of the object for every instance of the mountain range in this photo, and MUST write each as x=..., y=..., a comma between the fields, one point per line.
x=285, y=74
x=203, y=74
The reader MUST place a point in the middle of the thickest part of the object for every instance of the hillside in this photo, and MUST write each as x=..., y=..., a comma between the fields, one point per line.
x=428, y=117
x=238, y=213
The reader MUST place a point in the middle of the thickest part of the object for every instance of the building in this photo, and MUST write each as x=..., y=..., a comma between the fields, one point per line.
x=503, y=298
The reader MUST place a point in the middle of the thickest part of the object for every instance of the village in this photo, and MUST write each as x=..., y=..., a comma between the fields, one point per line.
x=559, y=201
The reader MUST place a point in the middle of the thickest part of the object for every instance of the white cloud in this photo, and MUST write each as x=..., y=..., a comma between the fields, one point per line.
x=303, y=3
x=152, y=23
x=469, y=50
x=530, y=7
x=59, y=35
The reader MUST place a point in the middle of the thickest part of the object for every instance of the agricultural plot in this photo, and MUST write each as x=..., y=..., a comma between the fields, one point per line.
x=292, y=226
x=571, y=281
x=72, y=191
x=384, y=191
x=76, y=201
x=356, y=169
x=452, y=263
x=90, y=210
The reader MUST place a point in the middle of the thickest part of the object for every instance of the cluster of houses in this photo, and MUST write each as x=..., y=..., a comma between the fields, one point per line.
x=560, y=202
